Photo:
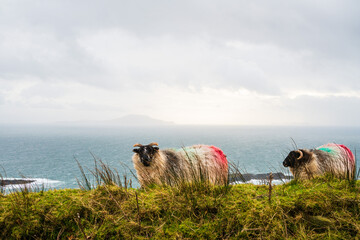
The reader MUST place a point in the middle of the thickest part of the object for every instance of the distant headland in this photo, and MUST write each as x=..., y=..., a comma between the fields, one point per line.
x=128, y=120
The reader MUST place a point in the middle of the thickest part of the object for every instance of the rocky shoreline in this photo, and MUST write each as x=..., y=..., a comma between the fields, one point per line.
x=262, y=176
x=233, y=178
x=5, y=182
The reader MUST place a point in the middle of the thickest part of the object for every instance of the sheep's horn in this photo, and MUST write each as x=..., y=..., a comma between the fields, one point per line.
x=301, y=154
x=137, y=145
x=153, y=144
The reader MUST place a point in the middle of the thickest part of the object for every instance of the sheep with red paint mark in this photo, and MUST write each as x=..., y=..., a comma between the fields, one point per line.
x=329, y=158
x=171, y=166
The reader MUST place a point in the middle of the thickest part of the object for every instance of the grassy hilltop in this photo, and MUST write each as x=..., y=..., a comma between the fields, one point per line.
x=316, y=209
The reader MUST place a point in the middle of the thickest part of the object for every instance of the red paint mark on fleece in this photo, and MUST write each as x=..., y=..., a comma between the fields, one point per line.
x=349, y=154
x=220, y=156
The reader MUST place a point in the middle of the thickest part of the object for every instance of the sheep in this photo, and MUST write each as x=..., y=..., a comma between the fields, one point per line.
x=329, y=158
x=169, y=166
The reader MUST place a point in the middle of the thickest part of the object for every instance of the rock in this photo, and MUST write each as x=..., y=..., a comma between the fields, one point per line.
x=262, y=176
x=4, y=182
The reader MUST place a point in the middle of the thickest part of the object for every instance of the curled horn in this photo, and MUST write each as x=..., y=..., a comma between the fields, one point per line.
x=138, y=145
x=301, y=154
x=153, y=144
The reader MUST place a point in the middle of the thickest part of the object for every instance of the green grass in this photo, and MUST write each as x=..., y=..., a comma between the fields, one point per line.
x=316, y=209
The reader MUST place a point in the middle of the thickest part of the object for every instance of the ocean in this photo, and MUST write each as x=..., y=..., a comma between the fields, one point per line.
x=47, y=153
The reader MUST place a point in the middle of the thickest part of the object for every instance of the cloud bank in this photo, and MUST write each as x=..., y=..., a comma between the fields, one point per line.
x=189, y=62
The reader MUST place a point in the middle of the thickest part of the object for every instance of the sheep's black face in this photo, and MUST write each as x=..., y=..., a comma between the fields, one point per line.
x=297, y=158
x=291, y=159
x=146, y=154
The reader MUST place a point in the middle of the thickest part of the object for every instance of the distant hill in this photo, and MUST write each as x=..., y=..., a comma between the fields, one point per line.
x=128, y=120
x=137, y=120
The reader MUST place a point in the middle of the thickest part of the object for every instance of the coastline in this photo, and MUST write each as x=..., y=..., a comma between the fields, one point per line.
x=6, y=182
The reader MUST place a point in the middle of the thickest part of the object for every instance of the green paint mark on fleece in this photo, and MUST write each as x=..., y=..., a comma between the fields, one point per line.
x=188, y=150
x=329, y=150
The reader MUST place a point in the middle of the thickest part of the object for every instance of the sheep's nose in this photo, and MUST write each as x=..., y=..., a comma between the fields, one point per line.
x=285, y=164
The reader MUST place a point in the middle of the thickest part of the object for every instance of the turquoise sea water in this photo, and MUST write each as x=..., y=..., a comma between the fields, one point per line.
x=48, y=153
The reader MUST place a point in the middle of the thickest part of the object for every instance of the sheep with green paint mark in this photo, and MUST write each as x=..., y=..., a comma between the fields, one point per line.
x=329, y=158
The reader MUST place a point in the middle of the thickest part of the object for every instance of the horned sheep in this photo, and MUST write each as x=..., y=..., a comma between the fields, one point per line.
x=329, y=158
x=169, y=166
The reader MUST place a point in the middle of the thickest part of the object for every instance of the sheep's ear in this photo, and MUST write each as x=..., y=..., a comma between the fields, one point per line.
x=156, y=148
x=136, y=150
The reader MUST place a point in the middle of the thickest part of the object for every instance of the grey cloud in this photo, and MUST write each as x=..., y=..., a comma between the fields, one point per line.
x=45, y=90
x=42, y=55
x=304, y=24
x=51, y=51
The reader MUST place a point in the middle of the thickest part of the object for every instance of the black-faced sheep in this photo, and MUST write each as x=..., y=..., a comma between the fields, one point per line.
x=329, y=158
x=168, y=166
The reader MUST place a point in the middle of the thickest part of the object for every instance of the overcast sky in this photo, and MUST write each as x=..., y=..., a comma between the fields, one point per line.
x=186, y=61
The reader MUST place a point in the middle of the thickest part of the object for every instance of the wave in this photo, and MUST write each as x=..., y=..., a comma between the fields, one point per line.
x=260, y=178
x=262, y=182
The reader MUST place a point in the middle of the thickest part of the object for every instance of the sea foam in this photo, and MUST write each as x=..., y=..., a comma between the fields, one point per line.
x=36, y=183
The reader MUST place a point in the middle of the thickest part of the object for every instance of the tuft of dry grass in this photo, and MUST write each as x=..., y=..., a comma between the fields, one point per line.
x=102, y=174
